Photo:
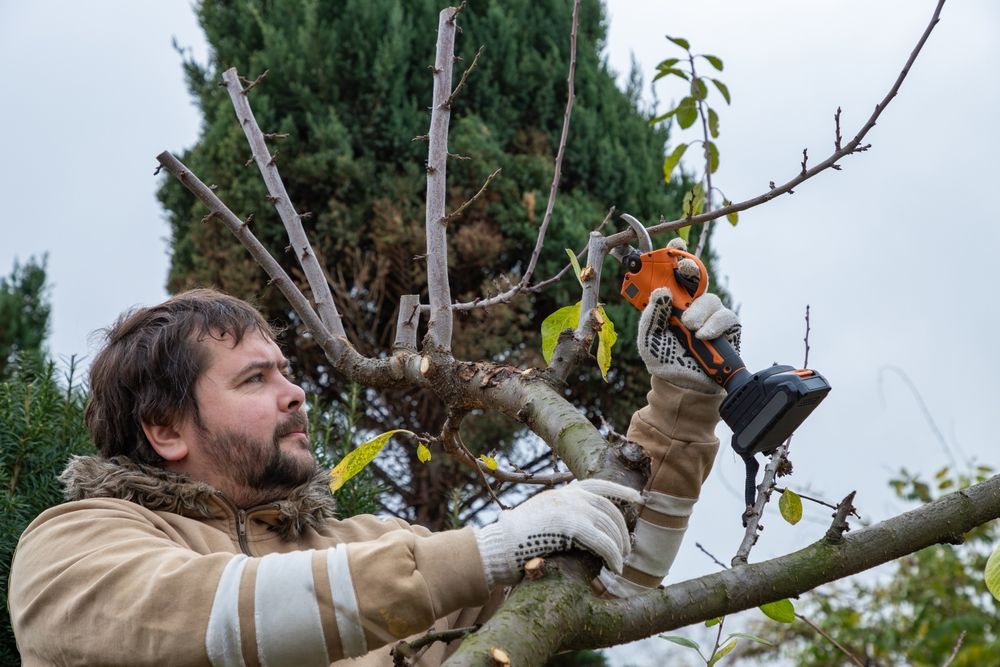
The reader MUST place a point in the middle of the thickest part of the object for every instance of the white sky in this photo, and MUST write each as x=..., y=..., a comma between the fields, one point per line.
x=892, y=253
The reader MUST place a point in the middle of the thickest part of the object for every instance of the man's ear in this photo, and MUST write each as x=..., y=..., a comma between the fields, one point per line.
x=166, y=440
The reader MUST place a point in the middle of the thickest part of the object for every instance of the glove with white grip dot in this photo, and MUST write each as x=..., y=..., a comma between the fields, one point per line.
x=662, y=351
x=580, y=515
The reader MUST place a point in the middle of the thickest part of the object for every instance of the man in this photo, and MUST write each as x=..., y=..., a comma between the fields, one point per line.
x=204, y=534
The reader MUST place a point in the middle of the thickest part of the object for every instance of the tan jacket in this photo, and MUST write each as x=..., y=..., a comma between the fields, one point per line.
x=149, y=568
x=146, y=567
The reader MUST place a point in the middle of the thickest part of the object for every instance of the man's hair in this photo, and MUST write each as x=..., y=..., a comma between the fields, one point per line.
x=151, y=359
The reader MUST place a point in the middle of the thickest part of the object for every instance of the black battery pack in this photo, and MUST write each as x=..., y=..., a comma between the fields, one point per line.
x=765, y=408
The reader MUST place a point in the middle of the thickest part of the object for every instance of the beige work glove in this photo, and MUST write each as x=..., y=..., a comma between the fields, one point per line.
x=661, y=350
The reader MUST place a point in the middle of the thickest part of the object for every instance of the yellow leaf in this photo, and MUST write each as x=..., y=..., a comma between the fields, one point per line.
x=359, y=457
x=567, y=317
x=490, y=462
x=576, y=265
x=722, y=652
x=423, y=454
x=790, y=505
x=606, y=339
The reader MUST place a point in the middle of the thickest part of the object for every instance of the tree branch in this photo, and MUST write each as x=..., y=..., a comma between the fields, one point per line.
x=457, y=212
x=325, y=304
x=439, y=292
x=574, y=619
x=553, y=189
x=853, y=146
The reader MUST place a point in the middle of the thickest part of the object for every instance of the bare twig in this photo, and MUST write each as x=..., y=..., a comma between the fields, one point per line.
x=241, y=229
x=439, y=327
x=954, y=651
x=553, y=189
x=752, y=515
x=465, y=75
x=325, y=305
x=252, y=84
x=805, y=339
x=837, y=138
x=815, y=500
x=451, y=441
x=835, y=535
x=457, y=212
x=404, y=651
x=853, y=146
x=853, y=658
x=923, y=409
x=707, y=553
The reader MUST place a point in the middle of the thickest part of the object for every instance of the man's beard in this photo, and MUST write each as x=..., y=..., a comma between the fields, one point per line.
x=259, y=470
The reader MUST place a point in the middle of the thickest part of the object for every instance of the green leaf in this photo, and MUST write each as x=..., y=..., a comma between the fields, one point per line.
x=687, y=113
x=715, y=60
x=576, y=265
x=992, y=573
x=667, y=71
x=722, y=653
x=713, y=157
x=781, y=611
x=713, y=123
x=606, y=339
x=752, y=638
x=790, y=505
x=722, y=89
x=490, y=462
x=694, y=201
x=423, y=453
x=672, y=161
x=667, y=62
x=680, y=41
x=713, y=621
x=567, y=317
x=942, y=473
x=359, y=457
x=662, y=117
x=684, y=233
x=683, y=641
x=699, y=90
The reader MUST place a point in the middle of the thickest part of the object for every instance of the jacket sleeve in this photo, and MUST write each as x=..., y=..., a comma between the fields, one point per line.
x=677, y=430
x=108, y=582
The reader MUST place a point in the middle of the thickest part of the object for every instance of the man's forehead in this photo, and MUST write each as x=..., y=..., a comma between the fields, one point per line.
x=226, y=355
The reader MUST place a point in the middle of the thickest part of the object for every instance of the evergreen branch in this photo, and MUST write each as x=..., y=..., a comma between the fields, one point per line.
x=315, y=276
x=457, y=212
x=853, y=146
x=560, y=153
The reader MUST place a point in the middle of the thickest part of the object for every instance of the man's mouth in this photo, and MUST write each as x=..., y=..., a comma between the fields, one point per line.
x=297, y=424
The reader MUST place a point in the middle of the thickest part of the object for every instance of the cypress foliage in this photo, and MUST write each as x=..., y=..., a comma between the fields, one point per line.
x=41, y=426
x=349, y=84
x=24, y=311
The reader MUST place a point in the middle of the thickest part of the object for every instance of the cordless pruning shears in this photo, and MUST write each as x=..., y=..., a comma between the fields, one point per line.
x=763, y=408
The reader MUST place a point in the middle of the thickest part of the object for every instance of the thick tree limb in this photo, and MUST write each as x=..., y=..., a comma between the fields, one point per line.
x=439, y=292
x=853, y=146
x=559, y=613
x=304, y=253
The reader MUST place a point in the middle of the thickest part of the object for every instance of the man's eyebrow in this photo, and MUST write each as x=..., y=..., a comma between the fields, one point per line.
x=264, y=364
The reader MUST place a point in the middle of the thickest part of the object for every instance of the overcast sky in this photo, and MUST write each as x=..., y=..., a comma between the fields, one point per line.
x=892, y=254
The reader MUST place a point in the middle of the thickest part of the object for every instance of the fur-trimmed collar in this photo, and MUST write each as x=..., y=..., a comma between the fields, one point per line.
x=161, y=490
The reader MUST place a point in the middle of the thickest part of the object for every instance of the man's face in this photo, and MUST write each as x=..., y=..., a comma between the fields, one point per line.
x=250, y=439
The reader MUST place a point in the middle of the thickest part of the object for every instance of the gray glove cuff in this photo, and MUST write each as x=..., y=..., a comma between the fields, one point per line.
x=498, y=564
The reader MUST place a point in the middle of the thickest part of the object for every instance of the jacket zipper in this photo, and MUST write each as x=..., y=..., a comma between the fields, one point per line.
x=241, y=531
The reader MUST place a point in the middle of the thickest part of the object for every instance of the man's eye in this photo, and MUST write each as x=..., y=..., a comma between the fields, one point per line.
x=255, y=379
